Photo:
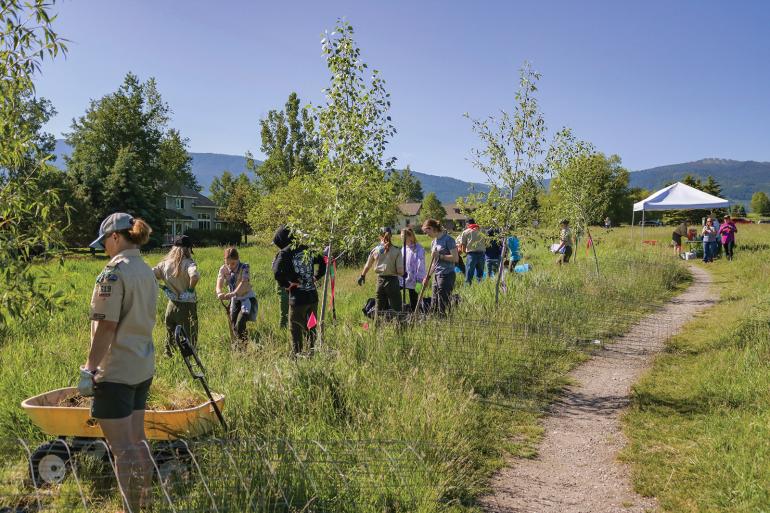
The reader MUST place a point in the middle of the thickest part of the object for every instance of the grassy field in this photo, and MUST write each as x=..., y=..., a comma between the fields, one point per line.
x=700, y=422
x=378, y=420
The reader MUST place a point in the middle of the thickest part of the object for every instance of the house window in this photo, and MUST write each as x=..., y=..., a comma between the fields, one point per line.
x=219, y=226
x=204, y=221
x=179, y=203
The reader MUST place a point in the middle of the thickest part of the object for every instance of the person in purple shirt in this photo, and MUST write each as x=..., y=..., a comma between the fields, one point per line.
x=727, y=231
x=414, y=265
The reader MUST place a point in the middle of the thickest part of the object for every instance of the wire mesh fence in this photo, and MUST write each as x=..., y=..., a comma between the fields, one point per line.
x=242, y=475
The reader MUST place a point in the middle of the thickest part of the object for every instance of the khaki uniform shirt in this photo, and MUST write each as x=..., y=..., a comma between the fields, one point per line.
x=472, y=240
x=181, y=282
x=386, y=263
x=126, y=292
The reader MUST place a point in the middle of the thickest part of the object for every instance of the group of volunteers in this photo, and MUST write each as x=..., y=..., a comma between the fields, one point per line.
x=120, y=365
x=716, y=237
x=404, y=268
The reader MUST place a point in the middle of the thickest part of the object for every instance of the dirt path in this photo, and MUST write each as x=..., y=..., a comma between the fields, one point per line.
x=577, y=470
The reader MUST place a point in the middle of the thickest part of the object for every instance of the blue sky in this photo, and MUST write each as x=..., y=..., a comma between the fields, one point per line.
x=657, y=82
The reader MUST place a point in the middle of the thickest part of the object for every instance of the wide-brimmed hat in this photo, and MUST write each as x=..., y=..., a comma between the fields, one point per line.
x=116, y=222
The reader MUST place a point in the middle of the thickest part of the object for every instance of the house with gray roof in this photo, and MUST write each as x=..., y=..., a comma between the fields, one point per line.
x=190, y=209
x=409, y=216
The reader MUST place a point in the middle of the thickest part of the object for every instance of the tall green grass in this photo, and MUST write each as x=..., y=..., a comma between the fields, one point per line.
x=455, y=395
x=700, y=421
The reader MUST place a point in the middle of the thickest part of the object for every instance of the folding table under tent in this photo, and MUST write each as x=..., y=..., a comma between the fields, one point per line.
x=677, y=196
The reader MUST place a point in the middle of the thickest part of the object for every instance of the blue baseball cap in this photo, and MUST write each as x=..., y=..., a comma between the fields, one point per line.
x=116, y=222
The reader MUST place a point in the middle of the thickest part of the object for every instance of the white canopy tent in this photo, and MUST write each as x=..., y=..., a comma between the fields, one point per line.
x=677, y=196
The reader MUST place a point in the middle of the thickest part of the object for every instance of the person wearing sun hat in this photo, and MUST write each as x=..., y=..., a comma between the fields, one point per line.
x=180, y=273
x=121, y=360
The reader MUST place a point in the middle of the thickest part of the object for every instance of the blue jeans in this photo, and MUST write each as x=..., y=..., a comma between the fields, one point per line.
x=492, y=266
x=709, y=251
x=474, y=264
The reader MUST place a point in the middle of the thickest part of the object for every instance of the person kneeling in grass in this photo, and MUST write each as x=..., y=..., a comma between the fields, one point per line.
x=180, y=273
x=121, y=361
x=293, y=270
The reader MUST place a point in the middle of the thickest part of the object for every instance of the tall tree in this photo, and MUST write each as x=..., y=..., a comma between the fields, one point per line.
x=176, y=162
x=406, y=186
x=432, y=208
x=349, y=185
x=289, y=141
x=28, y=208
x=513, y=152
x=239, y=202
x=221, y=187
x=129, y=125
x=587, y=182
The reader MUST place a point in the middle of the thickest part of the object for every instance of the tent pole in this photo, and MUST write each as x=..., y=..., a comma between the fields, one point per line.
x=642, y=226
x=633, y=212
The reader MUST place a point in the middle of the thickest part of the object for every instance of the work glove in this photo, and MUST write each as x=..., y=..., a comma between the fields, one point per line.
x=361, y=280
x=86, y=383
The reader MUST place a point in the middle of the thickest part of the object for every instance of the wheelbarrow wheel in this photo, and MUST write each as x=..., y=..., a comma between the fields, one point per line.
x=50, y=463
x=93, y=449
x=174, y=463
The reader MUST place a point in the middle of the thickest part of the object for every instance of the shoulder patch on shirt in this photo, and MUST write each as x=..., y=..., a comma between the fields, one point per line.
x=107, y=275
x=105, y=290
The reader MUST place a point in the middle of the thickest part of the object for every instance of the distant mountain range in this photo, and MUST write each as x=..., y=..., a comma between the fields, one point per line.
x=739, y=179
x=206, y=166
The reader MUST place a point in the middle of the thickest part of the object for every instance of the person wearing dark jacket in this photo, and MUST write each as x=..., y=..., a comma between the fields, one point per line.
x=293, y=270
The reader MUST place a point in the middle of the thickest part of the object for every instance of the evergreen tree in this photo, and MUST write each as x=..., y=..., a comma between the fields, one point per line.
x=127, y=127
x=432, y=208
x=406, y=186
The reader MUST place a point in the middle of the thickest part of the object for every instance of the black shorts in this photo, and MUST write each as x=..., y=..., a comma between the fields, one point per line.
x=567, y=254
x=118, y=400
x=677, y=238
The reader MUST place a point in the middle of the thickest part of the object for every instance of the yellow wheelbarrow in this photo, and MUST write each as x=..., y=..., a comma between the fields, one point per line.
x=77, y=432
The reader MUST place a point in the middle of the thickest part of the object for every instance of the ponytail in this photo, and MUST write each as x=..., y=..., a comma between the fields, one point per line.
x=139, y=233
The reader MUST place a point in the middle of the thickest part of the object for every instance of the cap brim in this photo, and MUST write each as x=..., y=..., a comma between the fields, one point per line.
x=98, y=243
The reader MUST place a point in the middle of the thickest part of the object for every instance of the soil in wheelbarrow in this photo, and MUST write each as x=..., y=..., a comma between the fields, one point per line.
x=161, y=398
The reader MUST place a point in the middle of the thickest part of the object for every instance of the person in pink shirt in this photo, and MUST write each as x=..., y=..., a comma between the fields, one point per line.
x=727, y=232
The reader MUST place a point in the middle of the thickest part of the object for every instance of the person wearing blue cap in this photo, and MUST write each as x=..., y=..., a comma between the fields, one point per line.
x=121, y=361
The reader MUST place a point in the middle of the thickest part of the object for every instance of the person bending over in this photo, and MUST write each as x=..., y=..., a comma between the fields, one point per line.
x=235, y=275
